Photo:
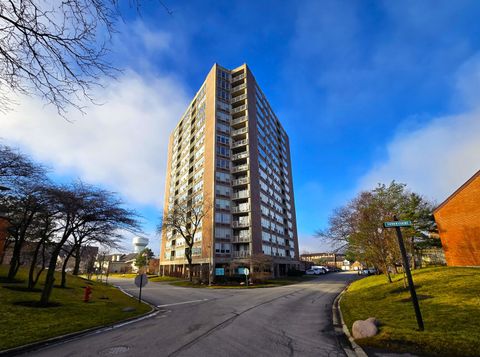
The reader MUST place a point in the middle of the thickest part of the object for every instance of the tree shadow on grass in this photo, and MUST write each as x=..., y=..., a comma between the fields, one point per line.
x=37, y=304
x=22, y=289
x=6, y=280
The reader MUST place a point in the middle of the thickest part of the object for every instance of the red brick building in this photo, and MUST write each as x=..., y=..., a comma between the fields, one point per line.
x=458, y=220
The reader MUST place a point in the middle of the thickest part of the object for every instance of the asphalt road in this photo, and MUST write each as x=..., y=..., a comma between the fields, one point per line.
x=292, y=320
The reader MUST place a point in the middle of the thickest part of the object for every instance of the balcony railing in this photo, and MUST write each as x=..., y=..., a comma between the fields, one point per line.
x=241, y=254
x=240, y=181
x=238, y=239
x=239, y=168
x=239, y=109
x=242, y=155
x=239, y=120
x=238, y=98
x=239, y=143
x=239, y=224
x=239, y=87
x=241, y=194
x=237, y=78
x=240, y=131
x=240, y=210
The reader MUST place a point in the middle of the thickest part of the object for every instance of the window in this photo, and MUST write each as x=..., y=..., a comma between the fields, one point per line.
x=223, y=233
x=222, y=217
x=223, y=164
x=222, y=248
x=223, y=139
x=221, y=203
x=266, y=249
x=222, y=176
x=222, y=127
x=222, y=190
x=223, y=151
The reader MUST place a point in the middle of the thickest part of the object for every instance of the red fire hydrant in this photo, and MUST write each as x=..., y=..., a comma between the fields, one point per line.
x=88, y=292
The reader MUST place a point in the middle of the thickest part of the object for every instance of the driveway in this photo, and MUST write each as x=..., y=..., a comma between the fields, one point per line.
x=293, y=320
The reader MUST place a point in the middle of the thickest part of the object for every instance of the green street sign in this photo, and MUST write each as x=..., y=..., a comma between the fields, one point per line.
x=397, y=224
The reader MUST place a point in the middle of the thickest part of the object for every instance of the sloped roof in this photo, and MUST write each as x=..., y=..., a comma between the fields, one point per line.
x=461, y=188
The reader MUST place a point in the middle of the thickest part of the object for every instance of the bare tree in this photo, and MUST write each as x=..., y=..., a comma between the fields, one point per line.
x=56, y=50
x=184, y=220
x=78, y=206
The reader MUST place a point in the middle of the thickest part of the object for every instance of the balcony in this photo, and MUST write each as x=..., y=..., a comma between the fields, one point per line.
x=239, y=143
x=240, y=181
x=241, y=194
x=239, y=168
x=239, y=87
x=239, y=120
x=241, y=224
x=238, y=209
x=238, y=98
x=241, y=155
x=240, y=131
x=244, y=239
x=239, y=109
x=237, y=78
x=241, y=254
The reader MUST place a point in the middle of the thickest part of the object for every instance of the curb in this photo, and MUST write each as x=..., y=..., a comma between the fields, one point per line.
x=58, y=340
x=341, y=329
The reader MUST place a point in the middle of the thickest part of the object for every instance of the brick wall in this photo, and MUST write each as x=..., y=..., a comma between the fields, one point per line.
x=458, y=220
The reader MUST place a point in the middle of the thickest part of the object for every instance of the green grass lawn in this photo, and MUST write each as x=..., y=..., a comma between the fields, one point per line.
x=450, y=305
x=21, y=324
x=157, y=279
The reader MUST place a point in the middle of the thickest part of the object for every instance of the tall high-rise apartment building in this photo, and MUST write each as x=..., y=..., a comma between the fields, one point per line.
x=230, y=153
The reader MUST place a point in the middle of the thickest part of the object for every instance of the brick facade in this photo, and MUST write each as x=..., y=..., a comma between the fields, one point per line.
x=458, y=220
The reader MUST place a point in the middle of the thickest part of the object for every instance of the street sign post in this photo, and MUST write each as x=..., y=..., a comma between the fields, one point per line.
x=141, y=280
x=397, y=224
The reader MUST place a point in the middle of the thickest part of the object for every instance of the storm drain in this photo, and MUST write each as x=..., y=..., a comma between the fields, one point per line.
x=114, y=350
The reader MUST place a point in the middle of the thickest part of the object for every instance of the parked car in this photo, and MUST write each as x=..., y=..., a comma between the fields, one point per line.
x=310, y=272
x=368, y=271
x=320, y=271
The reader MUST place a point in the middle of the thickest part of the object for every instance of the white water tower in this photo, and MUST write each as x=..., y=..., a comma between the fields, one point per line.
x=139, y=244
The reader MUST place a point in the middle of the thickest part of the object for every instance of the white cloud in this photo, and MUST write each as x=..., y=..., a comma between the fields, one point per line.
x=436, y=159
x=121, y=144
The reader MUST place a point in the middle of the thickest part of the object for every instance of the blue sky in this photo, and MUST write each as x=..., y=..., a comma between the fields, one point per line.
x=368, y=91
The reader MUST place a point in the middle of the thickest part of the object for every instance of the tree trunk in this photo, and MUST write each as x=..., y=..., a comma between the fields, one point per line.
x=63, y=283
x=39, y=272
x=50, y=277
x=78, y=257
x=33, y=264
x=15, y=261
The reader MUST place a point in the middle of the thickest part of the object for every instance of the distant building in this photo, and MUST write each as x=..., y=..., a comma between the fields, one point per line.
x=117, y=263
x=331, y=259
x=458, y=220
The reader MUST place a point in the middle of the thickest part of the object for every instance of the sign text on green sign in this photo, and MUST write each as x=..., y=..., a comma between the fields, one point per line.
x=397, y=224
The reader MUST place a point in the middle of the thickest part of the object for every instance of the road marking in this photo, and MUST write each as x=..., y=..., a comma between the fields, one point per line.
x=182, y=303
